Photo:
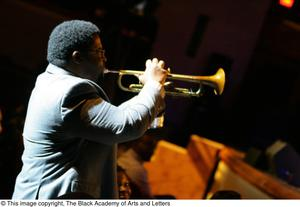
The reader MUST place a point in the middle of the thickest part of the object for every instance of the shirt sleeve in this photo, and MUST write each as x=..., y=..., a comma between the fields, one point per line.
x=88, y=116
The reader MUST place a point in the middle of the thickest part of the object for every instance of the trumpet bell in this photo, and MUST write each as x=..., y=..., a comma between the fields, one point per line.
x=218, y=81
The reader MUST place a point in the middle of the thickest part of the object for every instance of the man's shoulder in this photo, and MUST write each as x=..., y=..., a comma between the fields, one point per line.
x=63, y=79
x=68, y=85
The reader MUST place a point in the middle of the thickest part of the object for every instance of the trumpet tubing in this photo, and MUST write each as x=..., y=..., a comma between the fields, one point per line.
x=216, y=81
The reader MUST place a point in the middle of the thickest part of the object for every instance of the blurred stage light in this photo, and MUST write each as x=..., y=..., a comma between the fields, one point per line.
x=287, y=3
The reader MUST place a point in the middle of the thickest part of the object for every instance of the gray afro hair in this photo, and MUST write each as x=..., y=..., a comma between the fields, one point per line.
x=67, y=37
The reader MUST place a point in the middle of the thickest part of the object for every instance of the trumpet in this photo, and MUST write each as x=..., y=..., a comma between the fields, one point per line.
x=216, y=81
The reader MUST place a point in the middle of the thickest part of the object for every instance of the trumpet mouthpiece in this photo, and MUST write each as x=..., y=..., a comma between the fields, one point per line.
x=106, y=71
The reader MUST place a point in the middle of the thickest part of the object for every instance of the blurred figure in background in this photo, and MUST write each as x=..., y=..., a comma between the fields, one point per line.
x=132, y=161
x=124, y=184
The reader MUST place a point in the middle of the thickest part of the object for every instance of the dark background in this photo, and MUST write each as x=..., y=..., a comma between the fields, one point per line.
x=256, y=42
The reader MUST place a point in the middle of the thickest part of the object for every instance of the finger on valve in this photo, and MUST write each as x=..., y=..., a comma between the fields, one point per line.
x=155, y=60
x=148, y=63
x=161, y=64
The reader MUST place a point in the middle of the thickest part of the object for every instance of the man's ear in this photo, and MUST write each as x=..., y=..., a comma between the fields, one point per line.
x=76, y=57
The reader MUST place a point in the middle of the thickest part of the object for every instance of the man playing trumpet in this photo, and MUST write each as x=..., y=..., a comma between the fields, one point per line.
x=71, y=130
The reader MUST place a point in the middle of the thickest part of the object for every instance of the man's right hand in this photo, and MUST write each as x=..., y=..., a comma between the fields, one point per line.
x=154, y=71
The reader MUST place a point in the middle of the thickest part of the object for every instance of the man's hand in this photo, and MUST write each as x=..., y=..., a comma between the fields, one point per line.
x=154, y=71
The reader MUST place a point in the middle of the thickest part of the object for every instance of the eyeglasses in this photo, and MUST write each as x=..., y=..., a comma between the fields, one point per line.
x=98, y=50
